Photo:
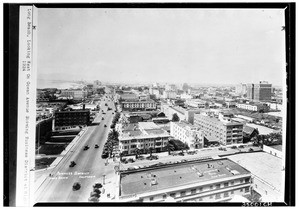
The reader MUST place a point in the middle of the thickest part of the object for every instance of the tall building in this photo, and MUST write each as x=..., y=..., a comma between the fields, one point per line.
x=192, y=181
x=241, y=89
x=259, y=92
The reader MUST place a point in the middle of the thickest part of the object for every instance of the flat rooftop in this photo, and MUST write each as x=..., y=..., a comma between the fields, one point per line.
x=138, y=182
x=263, y=165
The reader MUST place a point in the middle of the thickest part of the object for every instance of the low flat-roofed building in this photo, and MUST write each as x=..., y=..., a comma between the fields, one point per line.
x=275, y=150
x=188, y=134
x=253, y=106
x=143, y=136
x=267, y=174
x=77, y=94
x=201, y=181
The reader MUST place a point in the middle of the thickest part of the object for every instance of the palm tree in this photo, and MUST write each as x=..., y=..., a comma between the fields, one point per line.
x=170, y=147
x=150, y=150
x=137, y=153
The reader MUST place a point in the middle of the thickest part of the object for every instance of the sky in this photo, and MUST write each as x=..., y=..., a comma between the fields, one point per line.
x=202, y=46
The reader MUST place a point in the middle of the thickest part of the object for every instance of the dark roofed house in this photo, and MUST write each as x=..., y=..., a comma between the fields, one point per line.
x=249, y=133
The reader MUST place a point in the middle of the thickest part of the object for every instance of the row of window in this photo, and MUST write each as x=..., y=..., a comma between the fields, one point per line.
x=194, y=191
x=158, y=144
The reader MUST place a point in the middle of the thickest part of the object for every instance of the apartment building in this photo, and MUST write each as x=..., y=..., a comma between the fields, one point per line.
x=222, y=129
x=187, y=133
x=193, y=181
x=259, y=92
x=143, y=135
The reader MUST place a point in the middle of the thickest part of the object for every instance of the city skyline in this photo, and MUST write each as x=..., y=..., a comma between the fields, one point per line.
x=192, y=46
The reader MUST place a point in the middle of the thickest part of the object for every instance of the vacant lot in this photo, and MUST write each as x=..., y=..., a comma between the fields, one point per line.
x=43, y=162
x=52, y=149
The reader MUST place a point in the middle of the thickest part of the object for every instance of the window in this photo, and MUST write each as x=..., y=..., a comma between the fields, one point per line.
x=182, y=193
x=164, y=196
x=200, y=189
x=247, y=189
x=241, y=181
x=218, y=186
x=133, y=146
x=232, y=183
x=193, y=191
x=241, y=190
x=226, y=195
x=226, y=184
x=172, y=195
x=218, y=196
x=151, y=198
x=200, y=199
x=211, y=197
x=247, y=180
x=211, y=187
x=232, y=192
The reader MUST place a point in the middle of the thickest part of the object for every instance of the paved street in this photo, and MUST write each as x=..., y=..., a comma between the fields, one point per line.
x=90, y=166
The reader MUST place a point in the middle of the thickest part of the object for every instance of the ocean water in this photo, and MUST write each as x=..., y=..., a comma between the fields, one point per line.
x=60, y=84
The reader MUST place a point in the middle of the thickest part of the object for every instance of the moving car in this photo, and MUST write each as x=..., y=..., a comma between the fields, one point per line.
x=76, y=186
x=72, y=164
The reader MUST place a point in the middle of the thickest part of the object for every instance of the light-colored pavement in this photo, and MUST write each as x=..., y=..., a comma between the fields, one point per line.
x=90, y=166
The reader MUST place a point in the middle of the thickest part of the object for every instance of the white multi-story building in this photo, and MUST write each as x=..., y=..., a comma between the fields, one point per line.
x=138, y=105
x=187, y=133
x=192, y=181
x=221, y=129
x=144, y=135
x=196, y=103
x=169, y=94
x=74, y=94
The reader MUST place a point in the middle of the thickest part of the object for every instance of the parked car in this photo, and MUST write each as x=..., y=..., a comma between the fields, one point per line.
x=105, y=126
x=86, y=147
x=102, y=118
x=96, y=146
x=76, y=186
x=72, y=164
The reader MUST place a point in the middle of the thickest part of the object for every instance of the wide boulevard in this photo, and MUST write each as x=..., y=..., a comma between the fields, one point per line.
x=90, y=167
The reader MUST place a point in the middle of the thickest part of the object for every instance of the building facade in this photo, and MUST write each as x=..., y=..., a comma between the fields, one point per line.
x=132, y=105
x=74, y=94
x=187, y=133
x=259, y=92
x=70, y=119
x=221, y=129
x=193, y=181
x=241, y=89
x=253, y=106
x=142, y=136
